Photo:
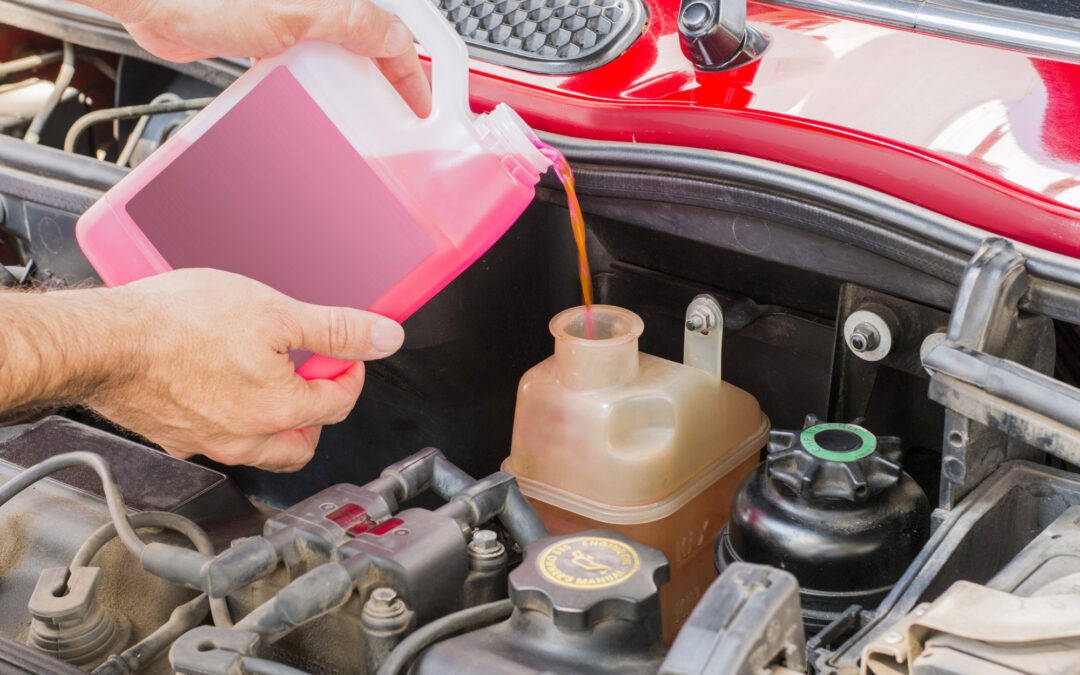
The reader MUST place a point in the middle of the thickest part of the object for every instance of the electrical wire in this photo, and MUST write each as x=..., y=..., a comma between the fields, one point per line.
x=469, y=619
x=110, y=114
x=63, y=79
x=114, y=499
x=219, y=607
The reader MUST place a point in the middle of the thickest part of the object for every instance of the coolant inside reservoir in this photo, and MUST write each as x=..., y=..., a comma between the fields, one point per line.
x=605, y=436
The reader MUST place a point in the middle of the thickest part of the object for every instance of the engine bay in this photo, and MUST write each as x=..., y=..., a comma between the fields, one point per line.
x=838, y=432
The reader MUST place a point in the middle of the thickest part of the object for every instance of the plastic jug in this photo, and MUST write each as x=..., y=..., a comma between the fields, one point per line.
x=606, y=437
x=312, y=175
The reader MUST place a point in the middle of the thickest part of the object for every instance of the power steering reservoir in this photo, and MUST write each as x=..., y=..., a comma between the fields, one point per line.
x=832, y=506
x=607, y=437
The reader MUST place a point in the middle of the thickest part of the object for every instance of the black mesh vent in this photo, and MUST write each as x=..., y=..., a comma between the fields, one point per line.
x=546, y=36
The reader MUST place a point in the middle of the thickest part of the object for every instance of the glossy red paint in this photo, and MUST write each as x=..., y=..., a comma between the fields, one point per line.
x=984, y=135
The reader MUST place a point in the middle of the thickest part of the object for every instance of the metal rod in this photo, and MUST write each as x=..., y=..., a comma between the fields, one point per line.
x=63, y=79
x=29, y=62
x=110, y=114
x=140, y=128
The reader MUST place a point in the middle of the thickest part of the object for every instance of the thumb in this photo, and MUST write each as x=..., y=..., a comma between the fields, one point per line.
x=345, y=333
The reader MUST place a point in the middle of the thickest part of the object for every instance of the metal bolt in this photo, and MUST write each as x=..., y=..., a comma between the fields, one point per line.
x=700, y=320
x=485, y=551
x=383, y=603
x=865, y=338
x=383, y=597
x=484, y=540
x=868, y=334
x=892, y=637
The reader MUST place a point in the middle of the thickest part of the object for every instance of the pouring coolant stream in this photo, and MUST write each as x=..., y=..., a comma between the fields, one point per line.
x=577, y=224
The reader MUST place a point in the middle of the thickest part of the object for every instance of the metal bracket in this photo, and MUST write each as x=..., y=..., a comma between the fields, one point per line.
x=887, y=388
x=704, y=336
x=985, y=319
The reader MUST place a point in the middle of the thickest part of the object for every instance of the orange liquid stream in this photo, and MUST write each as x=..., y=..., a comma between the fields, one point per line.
x=577, y=224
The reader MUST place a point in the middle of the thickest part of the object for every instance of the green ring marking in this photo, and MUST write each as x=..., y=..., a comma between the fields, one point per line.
x=809, y=442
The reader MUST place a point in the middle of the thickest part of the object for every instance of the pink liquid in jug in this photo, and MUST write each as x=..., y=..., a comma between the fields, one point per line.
x=275, y=192
x=577, y=224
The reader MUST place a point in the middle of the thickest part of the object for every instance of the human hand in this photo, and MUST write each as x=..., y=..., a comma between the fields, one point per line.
x=208, y=369
x=187, y=30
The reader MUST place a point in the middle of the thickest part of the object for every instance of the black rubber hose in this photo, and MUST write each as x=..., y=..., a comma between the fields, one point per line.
x=219, y=607
x=114, y=499
x=110, y=114
x=63, y=79
x=469, y=619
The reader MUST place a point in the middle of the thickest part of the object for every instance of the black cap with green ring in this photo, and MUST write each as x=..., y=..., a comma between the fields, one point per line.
x=833, y=460
x=838, y=442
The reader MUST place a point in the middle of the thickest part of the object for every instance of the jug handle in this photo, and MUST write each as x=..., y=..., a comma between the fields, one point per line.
x=449, y=56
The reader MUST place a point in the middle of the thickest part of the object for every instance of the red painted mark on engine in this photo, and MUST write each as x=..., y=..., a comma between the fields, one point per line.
x=388, y=526
x=352, y=518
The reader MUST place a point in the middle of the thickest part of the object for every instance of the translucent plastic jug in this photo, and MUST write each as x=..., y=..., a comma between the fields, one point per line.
x=311, y=174
x=605, y=437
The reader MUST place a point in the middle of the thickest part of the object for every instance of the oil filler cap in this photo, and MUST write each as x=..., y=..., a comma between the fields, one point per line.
x=581, y=579
x=833, y=460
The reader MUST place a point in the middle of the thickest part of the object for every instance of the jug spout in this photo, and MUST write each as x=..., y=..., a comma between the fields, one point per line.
x=507, y=135
x=608, y=359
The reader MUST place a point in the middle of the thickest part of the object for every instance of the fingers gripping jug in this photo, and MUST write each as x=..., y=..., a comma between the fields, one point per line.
x=312, y=175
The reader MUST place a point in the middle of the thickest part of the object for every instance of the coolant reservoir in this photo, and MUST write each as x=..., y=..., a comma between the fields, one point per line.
x=607, y=437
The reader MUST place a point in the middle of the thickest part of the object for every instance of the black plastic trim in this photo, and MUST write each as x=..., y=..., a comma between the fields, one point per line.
x=606, y=51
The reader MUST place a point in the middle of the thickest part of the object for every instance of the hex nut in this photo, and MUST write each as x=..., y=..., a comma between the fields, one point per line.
x=868, y=335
